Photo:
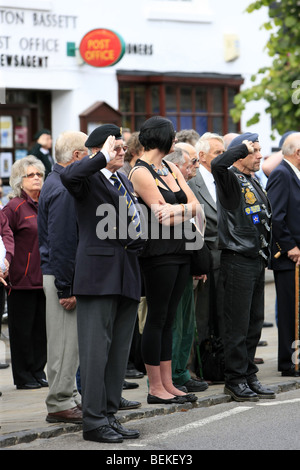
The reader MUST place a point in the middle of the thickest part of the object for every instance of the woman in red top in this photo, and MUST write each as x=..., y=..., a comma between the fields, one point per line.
x=26, y=299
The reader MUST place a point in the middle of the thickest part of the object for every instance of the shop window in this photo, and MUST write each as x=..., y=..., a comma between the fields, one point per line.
x=25, y=112
x=197, y=101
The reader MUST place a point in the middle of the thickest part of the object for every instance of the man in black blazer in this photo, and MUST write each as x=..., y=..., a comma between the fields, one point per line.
x=208, y=297
x=283, y=190
x=107, y=281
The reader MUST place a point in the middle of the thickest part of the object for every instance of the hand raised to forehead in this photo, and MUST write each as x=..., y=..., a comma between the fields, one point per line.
x=250, y=145
x=109, y=145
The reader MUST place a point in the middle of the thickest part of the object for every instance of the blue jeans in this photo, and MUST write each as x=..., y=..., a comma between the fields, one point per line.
x=244, y=283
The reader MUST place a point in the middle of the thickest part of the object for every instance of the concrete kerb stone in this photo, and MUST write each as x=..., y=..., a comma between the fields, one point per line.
x=9, y=440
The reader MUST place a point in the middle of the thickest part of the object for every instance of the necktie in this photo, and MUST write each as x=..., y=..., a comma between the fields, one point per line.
x=133, y=214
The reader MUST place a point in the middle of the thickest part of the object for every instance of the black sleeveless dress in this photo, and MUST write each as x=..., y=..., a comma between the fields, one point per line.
x=163, y=245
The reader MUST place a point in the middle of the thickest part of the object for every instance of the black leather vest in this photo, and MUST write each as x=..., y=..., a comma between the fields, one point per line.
x=247, y=229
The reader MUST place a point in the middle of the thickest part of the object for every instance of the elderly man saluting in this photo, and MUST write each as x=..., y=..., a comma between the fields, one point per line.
x=244, y=223
x=107, y=279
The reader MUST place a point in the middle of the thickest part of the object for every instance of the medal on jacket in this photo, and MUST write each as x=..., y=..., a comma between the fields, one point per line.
x=249, y=197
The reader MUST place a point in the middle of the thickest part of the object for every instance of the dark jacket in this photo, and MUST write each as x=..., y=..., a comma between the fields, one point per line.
x=58, y=234
x=283, y=190
x=25, y=271
x=7, y=237
x=46, y=159
x=108, y=266
x=244, y=212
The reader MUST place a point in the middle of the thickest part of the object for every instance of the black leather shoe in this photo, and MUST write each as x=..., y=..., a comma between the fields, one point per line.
x=3, y=365
x=129, y=385
x=43, y=382
x=290, y=372
x=133, y=374
x=182, y=388
x=261, y=392
x=189, y=397
x=267, y=324
x=128, y=405
x=30, y=386
x=240, y=392
x=125, y=433
x=193, y=385
x=103, y=434
x=153, y=400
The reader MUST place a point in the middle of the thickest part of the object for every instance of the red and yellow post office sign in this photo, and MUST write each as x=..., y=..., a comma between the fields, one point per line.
x=102, y=48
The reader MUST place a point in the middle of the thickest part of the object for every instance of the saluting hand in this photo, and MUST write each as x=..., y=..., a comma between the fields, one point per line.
x=250, y=145
x=109, y=146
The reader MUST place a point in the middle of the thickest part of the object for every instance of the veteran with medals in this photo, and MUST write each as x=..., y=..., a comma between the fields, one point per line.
x=107, y=282
x=244, y=224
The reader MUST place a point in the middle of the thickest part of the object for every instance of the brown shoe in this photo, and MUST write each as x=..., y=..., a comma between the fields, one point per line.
x=74, y=415
x=258, y=360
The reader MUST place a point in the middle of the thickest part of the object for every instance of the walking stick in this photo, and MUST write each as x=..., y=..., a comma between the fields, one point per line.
x=297, y=322
x=198, y=352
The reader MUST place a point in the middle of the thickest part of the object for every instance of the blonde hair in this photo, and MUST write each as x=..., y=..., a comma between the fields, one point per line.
x=18, y=171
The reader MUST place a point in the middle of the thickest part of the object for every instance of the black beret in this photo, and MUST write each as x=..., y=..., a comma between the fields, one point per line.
x=100, y=134
x=41, y=132
x=239, y=139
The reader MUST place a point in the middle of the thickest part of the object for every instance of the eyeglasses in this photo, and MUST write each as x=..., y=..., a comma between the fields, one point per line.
x=195, y=160
x=119, y=148
x=32, y=175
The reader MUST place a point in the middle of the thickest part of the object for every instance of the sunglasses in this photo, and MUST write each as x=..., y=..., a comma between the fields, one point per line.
x=119, y=148
x=32, y=175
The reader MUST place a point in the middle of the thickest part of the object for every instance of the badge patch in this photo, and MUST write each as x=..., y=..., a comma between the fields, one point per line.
x=255, y=219
x=252, y=209
x=250, y=197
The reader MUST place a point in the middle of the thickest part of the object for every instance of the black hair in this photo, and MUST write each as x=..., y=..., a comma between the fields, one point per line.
x=157, y=133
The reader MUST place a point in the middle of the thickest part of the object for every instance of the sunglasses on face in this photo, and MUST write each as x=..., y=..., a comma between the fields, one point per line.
x=32, y=175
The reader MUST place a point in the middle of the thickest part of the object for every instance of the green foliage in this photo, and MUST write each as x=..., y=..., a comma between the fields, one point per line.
x=279, y=84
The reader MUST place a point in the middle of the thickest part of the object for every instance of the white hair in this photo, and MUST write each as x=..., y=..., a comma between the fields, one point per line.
x=66, y=143
x=203, y=145
x=291, y=144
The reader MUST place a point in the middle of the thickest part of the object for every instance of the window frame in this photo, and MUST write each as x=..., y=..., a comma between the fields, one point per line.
x=162, y=80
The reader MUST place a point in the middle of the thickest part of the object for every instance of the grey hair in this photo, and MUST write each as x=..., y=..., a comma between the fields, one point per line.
x=18, y=171
x=66, y=143
x=291, y=144
x=176, y=157
x=203, y=145
x=189, y=136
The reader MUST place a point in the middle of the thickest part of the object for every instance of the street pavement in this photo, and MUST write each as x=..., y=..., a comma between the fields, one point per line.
x=23, y=412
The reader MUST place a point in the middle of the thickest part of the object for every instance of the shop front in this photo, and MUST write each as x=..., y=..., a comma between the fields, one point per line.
x=71, y=66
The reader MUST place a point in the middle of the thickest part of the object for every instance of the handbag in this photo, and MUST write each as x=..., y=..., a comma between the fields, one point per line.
x=201, y=258
x=210, y=360
x=212, y=357
x=201, y=261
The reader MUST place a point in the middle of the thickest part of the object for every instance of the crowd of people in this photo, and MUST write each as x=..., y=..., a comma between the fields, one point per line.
x=96, y=265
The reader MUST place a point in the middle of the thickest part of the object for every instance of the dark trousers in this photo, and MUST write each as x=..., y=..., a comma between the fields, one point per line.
x=244, y=283
x=285, y=291
x=164, y=286
x=27, y=334
x=105, y=327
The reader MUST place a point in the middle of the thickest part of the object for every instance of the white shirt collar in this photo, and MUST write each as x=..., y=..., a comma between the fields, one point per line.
x=107, y=173
x=293, y=167
x=209, y=181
